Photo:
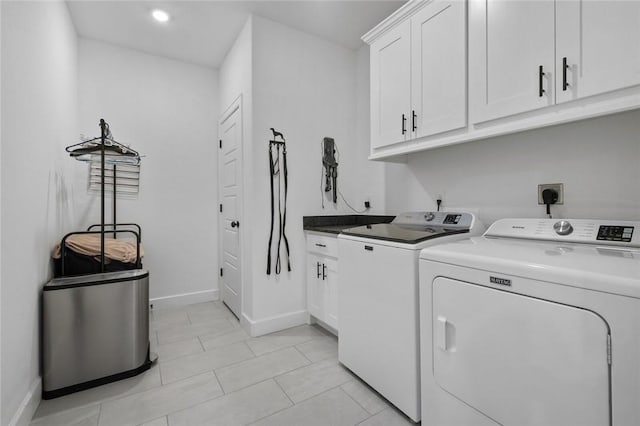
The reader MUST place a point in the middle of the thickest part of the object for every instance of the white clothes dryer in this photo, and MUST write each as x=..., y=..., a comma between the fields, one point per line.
x=535, y=323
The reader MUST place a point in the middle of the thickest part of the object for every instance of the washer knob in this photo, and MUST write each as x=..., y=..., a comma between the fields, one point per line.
x=429, y=216
x=563, y=227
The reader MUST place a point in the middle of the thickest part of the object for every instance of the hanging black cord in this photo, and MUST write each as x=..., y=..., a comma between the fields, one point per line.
x=278, y=264
x=271, y=176
x=284, y=215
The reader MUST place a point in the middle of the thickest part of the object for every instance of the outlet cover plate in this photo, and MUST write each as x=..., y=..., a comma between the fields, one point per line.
x=557, y=186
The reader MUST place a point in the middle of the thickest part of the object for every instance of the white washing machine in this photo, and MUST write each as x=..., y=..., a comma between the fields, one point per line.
x=378, y=299
x=535, y=323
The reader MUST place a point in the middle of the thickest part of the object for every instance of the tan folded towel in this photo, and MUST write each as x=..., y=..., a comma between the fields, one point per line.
x=89, y=245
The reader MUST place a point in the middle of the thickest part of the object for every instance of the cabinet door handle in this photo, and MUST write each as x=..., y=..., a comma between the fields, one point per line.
x=540, y=81
x=324, y=275
x=404, y=122
x=368, y=248
x=565, y=66
x=317, y=269
x=413, y=120
x=320, y=245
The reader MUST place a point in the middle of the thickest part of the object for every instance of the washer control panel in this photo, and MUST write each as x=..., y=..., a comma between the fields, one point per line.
x=604, y=232
x=615, y=233
x=452, y=220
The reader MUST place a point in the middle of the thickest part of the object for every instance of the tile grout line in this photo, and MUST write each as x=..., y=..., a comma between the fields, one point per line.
x=284, y=391
x=326, y=390
x=218, y=397
x=268, y=378
x=195, y=405
x=211, y=370
x=218, y=335
x=201, y=345
x=303, y=355
x=99, y=414
x=357, y=403
x=252, y=351
x=294, y=405
x=183, y=338
x=280, y=348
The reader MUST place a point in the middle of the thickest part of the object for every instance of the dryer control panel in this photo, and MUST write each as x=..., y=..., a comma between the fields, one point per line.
x=454, y=220
x=602, y=232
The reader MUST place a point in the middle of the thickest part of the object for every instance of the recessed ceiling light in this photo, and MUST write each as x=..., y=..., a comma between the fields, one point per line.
x=160, y=15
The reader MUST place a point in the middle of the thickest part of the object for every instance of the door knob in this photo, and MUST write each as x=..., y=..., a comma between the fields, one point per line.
x=235, y=224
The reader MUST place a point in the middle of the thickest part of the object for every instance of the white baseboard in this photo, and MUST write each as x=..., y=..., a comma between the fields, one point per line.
x=29, y=405
x=320, y=323
x=272, y=324
x=184, y=299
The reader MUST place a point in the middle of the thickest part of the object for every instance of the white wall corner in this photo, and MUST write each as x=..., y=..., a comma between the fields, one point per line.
x=184, y=299
x=28, y=406
x=264, y=326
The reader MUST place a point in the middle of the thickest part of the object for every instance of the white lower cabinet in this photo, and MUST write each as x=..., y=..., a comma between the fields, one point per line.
x=322, y=278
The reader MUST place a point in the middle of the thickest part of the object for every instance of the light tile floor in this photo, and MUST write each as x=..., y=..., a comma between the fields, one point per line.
x=210, y=372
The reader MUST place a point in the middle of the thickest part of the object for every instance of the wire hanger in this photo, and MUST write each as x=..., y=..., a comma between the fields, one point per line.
x=92, y=145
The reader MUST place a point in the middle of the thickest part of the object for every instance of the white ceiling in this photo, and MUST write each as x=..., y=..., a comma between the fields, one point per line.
x=202, y=32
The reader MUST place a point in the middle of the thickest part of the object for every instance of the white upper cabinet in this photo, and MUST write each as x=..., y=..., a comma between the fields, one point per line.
x=451, y=71
x=418, y=76
x=598, y=47
x=439, y=69
x=391, y=87
x=511, y=47
x=525, y=55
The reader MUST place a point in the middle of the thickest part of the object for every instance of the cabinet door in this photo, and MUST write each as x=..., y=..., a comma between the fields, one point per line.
x=600, y=43
x=508, y=43
x=331, y=291
x=315, y=287
x=390, y=87
x=439, y=68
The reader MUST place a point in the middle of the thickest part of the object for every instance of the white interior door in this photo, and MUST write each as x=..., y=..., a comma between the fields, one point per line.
x=230, y=179
x=520, y=360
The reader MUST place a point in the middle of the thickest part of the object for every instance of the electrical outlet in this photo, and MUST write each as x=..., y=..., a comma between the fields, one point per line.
x=559, y=188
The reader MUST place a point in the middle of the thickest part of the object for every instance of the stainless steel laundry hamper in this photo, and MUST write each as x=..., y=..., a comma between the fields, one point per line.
x=95, y=330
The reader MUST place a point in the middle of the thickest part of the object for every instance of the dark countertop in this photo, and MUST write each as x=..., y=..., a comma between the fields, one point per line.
x=337, y=223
